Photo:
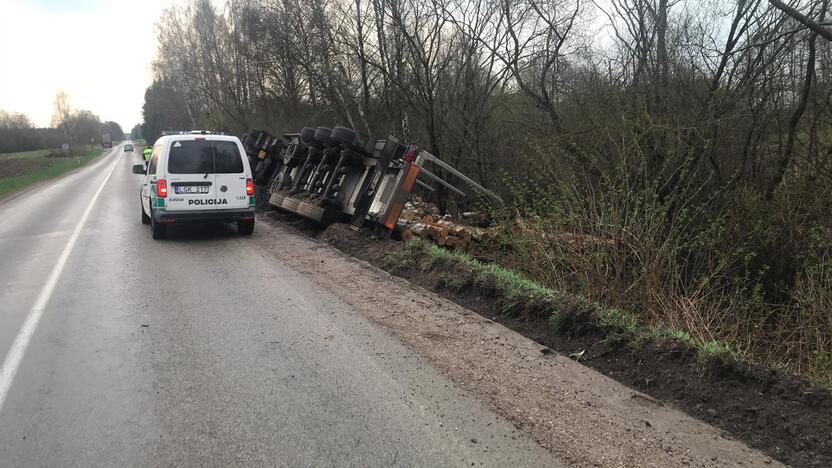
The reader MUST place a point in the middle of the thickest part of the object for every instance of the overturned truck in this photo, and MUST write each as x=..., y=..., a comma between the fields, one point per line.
x=338, y=174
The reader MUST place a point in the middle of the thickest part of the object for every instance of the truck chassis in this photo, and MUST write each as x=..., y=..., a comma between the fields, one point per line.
x=339, y=175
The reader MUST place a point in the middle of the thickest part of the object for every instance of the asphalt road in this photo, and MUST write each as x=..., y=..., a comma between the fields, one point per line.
x=121, y=350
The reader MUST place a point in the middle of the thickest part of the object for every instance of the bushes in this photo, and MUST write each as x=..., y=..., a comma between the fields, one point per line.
x=718, y=263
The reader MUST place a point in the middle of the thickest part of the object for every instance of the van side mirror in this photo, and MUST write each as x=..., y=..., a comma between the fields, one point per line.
x=139, y=169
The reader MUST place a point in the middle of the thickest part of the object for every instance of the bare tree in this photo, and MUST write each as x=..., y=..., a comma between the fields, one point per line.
x=785, y=159
x=62, y=115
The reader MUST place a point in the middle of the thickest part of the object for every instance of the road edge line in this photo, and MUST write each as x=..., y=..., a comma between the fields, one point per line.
x=24, y=336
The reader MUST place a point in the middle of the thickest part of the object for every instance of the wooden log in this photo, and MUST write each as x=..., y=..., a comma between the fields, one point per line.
x=437, y=231
x=406, y=234
x=456, y=230
x=409, y=215
x=419, y=229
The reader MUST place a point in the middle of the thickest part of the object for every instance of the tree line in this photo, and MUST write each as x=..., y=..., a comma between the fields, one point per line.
x=68, y=125
x=18, y=133
x=696, y=135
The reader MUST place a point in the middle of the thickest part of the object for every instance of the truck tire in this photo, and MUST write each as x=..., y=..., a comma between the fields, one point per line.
x=321, y=137
x=343, y=135
x=307, y=136
x=145, y=217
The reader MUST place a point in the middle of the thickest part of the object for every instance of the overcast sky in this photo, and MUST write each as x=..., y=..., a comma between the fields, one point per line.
x=98, y=51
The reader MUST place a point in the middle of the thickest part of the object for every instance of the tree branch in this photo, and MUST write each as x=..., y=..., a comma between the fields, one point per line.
x=808, y=22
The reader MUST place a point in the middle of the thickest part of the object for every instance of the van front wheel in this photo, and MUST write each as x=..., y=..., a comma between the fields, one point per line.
x=246, y=227
x=145, y=217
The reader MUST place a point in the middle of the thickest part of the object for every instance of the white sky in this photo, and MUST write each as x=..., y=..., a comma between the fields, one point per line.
x=98, y=51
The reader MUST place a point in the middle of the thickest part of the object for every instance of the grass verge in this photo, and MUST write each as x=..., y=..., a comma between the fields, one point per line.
x=521, y=297
x=51, y=167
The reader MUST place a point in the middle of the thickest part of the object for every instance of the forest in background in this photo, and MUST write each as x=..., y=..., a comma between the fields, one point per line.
x=72, y=126
x=688, y=143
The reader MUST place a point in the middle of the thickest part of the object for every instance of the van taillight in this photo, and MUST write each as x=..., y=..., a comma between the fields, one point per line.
x=161, y=188
x=249, y=187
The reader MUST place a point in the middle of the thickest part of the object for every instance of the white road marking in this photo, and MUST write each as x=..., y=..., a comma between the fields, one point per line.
x=24, y=336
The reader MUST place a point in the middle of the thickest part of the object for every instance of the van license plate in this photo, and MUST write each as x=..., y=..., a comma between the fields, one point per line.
x=191, y=189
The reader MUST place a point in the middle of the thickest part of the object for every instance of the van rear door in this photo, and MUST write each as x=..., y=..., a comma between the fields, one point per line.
x=206, y=174
x=230, y=176
x=190, y=174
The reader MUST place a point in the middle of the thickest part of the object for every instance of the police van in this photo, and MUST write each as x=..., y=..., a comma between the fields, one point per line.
x=194, y=178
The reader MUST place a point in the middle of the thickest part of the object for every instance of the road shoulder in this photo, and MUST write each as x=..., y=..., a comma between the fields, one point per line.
x=577, y=413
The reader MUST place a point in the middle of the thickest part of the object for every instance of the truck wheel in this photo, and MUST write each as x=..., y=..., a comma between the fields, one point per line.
x=245, y=228
x=345, y=136
x=157, y=230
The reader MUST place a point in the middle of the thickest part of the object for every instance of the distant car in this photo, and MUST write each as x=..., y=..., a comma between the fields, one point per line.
x=197, y=178
x=128, y=147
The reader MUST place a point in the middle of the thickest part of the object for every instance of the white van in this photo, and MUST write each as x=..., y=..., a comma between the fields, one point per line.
x=197, y=178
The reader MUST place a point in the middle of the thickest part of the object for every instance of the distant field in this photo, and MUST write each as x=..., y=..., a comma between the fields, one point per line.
x=18, y=170
x=24, y=155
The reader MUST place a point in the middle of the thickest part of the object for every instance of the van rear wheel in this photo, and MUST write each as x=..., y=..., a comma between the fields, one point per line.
x=157, y=229
x=246, y=227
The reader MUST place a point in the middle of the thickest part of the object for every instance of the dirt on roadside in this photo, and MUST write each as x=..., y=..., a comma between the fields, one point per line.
x=579, y=414
x=786, y=417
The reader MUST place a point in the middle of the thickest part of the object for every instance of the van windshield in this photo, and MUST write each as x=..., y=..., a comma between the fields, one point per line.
x=205, y=157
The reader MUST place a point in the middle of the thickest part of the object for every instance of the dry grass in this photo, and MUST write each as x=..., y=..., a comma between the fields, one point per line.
x=624, y=269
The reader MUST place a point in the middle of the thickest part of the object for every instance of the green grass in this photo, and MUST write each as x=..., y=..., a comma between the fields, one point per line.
x=704, y=348
x=519, y=294
x=514, y=284
x=53, y=167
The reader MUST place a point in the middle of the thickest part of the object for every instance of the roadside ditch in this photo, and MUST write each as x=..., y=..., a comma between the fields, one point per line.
x=783, y=416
